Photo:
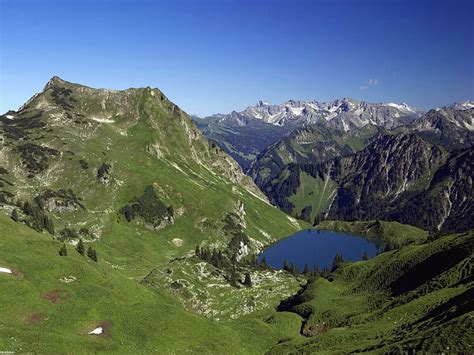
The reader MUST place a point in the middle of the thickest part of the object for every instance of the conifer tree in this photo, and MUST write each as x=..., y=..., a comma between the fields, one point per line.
x=63, y=250
x=48, y=225
x=233, y=276
x=247, y=280
x=263, y=262
x=91, y=253
x=306, y=269
x=80, y=247
x=365, y=256
x=94, y=255
x=198, y=251
x=338, y=260
x=15, y=215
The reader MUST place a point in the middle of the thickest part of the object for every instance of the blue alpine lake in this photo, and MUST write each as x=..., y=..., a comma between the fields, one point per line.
x=318, y=248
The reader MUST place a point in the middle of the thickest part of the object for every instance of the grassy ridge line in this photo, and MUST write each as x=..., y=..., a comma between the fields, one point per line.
x=391, y=233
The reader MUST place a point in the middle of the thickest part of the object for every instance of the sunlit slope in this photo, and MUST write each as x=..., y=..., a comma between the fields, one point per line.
x=418, y=298
x=71, y=159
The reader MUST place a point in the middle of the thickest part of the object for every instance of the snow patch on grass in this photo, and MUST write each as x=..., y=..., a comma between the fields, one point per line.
x=5, y=270
x=96, y=331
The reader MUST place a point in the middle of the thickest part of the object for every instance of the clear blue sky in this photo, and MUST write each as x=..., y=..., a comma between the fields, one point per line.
x=213, y=56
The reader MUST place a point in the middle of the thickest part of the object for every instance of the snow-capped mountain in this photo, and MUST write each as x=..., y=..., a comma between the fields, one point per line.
x=468, y=105
x=452, y=126
x=344, y=114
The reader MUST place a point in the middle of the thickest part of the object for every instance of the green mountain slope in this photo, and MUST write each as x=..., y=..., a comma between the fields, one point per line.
x=129, y=174
x=416, y=299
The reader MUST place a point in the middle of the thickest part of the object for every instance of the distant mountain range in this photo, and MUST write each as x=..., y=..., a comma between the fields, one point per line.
x=344, y=114
x=283, y=146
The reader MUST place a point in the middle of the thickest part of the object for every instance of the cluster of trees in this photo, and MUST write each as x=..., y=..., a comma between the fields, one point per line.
x=38, y=219
x=233, y=228
x=221, y=261
x=148, y=206
x=81, y=249
x=315, y=272
x=213, y=257
x=68, y=234
x=35, y=217
x=35, y=157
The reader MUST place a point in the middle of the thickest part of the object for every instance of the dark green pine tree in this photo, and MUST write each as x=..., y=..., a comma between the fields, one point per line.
x=365, y=256
x=48, y=225
x=198, y=251
x=247, y=280
x=286, y=266
x=233, y=277
x=306, y=269
x=91, y=253
x=80, y=247
x=15, y=215
x=316, y=221
x=94, y=256
x=263, y=262
x=338, y=260
x=63, y=250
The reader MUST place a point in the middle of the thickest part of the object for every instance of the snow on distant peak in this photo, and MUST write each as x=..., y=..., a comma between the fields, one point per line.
x=401, y=106
x=468, y=104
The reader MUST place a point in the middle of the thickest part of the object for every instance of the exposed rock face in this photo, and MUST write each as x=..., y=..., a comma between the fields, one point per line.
x=451, y=126
x=390, y=164
x=397, y=177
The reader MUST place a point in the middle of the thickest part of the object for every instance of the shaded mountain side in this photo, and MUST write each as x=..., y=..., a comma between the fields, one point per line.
x=309, y=145
x=397, y=177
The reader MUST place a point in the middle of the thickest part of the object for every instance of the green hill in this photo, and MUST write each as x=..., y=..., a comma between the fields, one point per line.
x=415, y=299
x=128, y=173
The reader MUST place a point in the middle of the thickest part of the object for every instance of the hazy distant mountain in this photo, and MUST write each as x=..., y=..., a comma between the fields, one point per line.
x=451, y=126
x=246, y=134
x=343, y=113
